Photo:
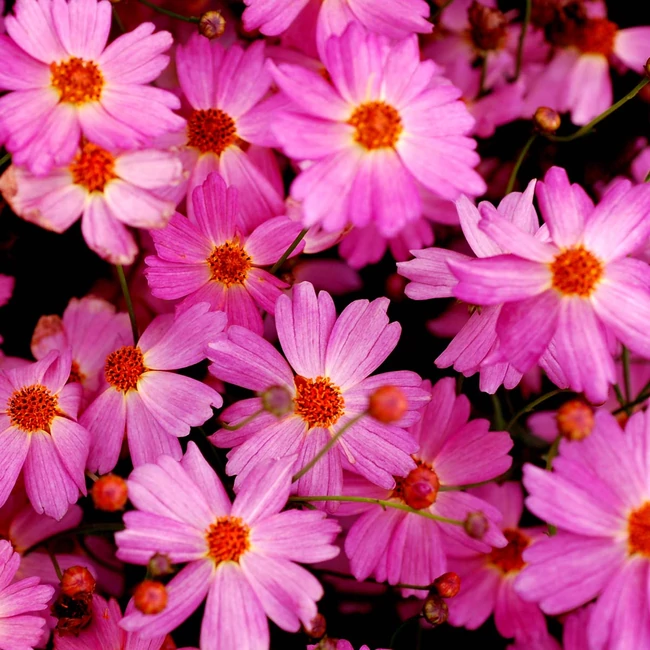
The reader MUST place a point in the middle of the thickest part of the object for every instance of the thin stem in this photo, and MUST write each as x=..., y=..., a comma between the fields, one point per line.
x=402, y=585
x=626, y=374
x=643, y=395
x=530, y=407
x=330, y=443
x=171, y=14
x=484, y=67
x=383, y=503
x=619, y=396
x=457, y=488
x=393, y=639
x=522, y=38
x=499, y=422
x=276, y=267
x=647, y=178
x=5, y=158
x=243, y=423
x=588, y=127
x=520, y=159
x=55, y=563
x=128, y=301
x=552, y=453
x=118, y=21
x=92, y=476
x=90, y=529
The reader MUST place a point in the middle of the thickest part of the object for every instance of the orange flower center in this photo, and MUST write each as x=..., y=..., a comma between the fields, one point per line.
x=211, y=130
x=378, y=125
x=76, y=376
x=32, y=408
x=93, y=167
x=124, y=367
x=229, y=263
x=576, y=272
x=638, y=528
x=419, y=489
x=318, y=401
x=228, y=539
x=77, y=81
x=595, y=36
x=509, y=558
x=575, y=420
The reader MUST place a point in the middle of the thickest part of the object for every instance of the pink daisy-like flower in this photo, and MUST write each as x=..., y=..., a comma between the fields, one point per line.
x=41, y=435
x=147, y=402
x=107, y=189
x=213, y=259
x=396, y=546
x=332, y=360
x=241, y=555
x=67, y=83
x=571, y=291
x=376, y=135
x=20, y=626
x=597, y=496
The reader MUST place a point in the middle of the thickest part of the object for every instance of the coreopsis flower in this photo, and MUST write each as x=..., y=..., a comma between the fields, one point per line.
x=242, y=555
x=66, y=83
x=571, y=292
x=396, y=546
x=20, y=624
x=214, y=259
x=109, y=190
x=327, y=384
x=41, y=435
x=145, y=400
x=597, y=497
x=487, y=579
x=376, y=135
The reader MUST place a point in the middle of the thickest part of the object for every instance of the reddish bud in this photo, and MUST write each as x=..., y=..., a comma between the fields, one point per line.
x=488, y=27
x=77, y=580
x=317, y=628
x=420, y=488
x=547, y=120
x=387, y=404
x=447, y=585
x=435, y=610
x=395, y=285
x=277, y=400
x=168, y=644
x=150, y=597
x=476, y=525
x=160, y=565
x=109, y=493
x=212, y=24
x=575, y=420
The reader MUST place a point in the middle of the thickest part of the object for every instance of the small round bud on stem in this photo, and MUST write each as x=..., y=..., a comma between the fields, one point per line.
x=150, y=597
x=435, y=610
x=387, y=404
x=476, y=525
x=277, y=400
x=317, y=628
x=447, y=585
x=575, y=420
x=547, y=120
x=160, y=565
x=212, y=24
x=109, y=493
x=77, y=580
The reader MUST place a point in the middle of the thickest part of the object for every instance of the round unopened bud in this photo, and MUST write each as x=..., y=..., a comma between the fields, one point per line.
x=387, y=404
x=212, y=24
x=277, y=400
x=420, y=488
x=168, y=644
x=150, y=597
x=575, y=420
x=160, y=565
x=109, y=493
x=435, y=610
x=77, y=580
x=476, y=525
x=547, y=120
x=317, y=628
x=447, y=585
x=395, y=285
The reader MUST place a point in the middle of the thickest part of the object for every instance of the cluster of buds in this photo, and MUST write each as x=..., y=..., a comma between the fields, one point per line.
x=73, y=607
x=435, y=610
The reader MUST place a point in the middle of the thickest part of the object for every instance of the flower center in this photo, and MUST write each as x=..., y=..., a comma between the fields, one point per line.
x=93, y=167
x=228, y=539
x=124, y=367
x=576, y=272
x=575, y=420
x=419, y=489
x=32, y=408
x=211, y=130
x=76, y=376
x=638, y=528
x=229, y=263
x=377, y=124
x=77, y=81
x=318, y=401
x=595, y=36
x=509, y=558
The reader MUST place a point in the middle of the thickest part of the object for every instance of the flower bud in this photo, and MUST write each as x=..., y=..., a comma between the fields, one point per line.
x=447, y=585
x=77, y=580
x=212, y=24
x=488, y=27
x=317, y=628
x=150, y=597
x=575, y=420
x=277, y=400
x=435, y=610
x=420, y=488
x=547, y=120
x=387, y=404
x=476, y=525
x=109, y=493
x=160, y=565
x=168, y=644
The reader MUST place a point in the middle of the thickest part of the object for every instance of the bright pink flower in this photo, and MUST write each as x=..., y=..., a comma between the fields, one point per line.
x=20, y=626
x=395, y=546
x=376, y=135
x=107, y=189
x=147, y=402
x=67, y=83
x=41, y=436
x=332, y=360
x=572, y=292
x=597, y=497
x=576, y=625
x=241, y=555
x=214, y=259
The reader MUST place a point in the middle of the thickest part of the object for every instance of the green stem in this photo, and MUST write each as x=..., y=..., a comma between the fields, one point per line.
x=408, y=621
x=92, y=476
x=530, y=407
x=520, y=159
x=301, y=235
x=330, y=443
x=499, y=422
x=118, y=21
x=89, y=529
x=55, y=563
x=484, y=67
x=626, y=374
x=5, y=158
x=643, y=395
x=647, y=178
x=129, y=302
x=522, y=37
x=243, y=423
x=171, y=14
x=620, y=397
x=588, y=127
x=552, y=453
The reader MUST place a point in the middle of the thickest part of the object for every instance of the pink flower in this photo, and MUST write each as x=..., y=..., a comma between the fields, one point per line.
x=67, y=83
x=576, y=626
x=41, y=436
x=597, y=497
x=241, y=555
x=375, y=136
x=107, y=189
x=567, y=294
x=396, y=546
x=214, y=259
x=332, y=360
x=20, y=627
x=7, y=284
x=144, y=400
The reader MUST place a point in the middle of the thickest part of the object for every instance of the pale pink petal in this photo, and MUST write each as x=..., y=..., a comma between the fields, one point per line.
x=590, y=88
x=105, y=419
x=631, y=47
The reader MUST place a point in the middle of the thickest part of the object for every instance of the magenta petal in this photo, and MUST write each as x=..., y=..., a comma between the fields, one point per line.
x=72, y=441
x=14, y=445
x=105, y=419
x=515, y=617
x=203, y=475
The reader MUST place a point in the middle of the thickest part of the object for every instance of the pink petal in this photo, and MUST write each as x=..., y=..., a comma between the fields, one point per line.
x=590, y=88
x=105, y=419
x=631, y=47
